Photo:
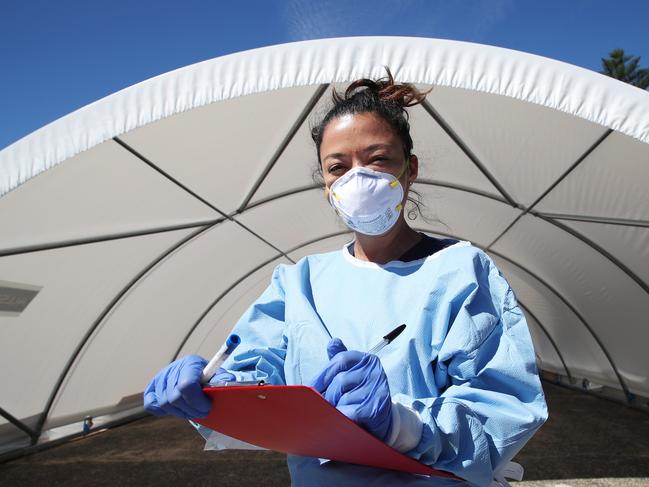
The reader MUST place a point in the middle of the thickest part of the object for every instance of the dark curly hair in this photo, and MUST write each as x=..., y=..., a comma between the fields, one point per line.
x=383, y=97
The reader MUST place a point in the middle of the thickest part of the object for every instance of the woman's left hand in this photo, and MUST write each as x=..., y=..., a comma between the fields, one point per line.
x=355, y=383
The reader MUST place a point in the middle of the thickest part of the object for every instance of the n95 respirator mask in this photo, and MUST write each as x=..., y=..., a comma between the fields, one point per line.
x=369, y=202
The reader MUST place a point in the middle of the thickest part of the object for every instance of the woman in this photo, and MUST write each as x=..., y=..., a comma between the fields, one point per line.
x=457, y=390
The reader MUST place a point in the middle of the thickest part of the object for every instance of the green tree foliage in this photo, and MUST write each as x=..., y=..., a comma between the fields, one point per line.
x=625, y=68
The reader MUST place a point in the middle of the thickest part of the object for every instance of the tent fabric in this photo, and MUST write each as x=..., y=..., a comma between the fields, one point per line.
x=149, y=220
x=481, y=68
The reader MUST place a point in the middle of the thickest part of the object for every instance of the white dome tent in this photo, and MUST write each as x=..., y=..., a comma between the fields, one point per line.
x=138, y=229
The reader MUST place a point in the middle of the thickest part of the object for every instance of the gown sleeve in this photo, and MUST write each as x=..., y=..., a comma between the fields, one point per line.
x=262, y=351
x=492, y=401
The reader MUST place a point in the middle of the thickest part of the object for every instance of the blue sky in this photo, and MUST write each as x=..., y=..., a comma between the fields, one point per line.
x=59, y=55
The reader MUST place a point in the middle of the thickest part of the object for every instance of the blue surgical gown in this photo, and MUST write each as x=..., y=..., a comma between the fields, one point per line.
x=465, y=361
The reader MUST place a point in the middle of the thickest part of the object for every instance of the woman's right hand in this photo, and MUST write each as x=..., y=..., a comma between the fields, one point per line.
x=355, y=384
x=177, y=390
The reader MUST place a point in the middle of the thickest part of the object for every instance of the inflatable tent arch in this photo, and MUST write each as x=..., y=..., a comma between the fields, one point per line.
x=138, y=228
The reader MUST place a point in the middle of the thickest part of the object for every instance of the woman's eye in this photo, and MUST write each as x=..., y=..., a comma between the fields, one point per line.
x=336, y=168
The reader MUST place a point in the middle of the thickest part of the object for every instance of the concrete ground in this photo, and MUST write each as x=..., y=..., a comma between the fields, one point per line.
x=586, y=442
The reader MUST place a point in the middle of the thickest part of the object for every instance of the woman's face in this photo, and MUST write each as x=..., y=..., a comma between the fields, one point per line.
x=363, y=139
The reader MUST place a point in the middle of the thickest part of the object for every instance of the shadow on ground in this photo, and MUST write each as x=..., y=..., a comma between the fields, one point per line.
x=585, y=438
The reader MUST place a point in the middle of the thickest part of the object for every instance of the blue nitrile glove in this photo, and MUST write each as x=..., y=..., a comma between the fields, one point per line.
x=177, y=390
x=355, y=383
x=221, y=375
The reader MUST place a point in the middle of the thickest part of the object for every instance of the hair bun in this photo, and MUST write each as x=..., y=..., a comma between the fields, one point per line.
x=384, y=89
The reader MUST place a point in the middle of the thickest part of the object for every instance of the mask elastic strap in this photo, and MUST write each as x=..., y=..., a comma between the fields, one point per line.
x=394, y=183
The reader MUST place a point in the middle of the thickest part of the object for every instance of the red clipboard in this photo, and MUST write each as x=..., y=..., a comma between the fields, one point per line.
x=299, y=421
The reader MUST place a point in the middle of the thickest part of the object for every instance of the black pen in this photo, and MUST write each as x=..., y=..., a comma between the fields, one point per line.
x=387, y=339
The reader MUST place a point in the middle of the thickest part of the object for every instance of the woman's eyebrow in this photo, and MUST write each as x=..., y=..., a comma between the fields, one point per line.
x=334, y=155
x=373, y=147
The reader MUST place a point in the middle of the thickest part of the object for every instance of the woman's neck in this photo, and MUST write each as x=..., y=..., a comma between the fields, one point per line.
x=387, y=247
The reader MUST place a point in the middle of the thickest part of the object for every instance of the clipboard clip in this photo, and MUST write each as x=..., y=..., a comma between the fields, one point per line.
x=233, y=383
